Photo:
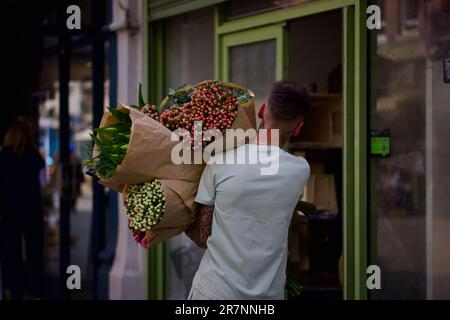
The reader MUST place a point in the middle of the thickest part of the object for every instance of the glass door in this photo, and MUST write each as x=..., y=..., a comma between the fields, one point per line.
x=244, y=54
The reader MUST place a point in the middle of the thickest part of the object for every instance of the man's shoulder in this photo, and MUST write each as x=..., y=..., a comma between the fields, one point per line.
x=298, y=161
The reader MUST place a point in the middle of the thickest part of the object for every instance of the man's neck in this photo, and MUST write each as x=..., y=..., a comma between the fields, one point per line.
x=270, y=137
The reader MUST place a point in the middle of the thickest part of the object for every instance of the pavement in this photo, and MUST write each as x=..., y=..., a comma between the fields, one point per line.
x=80, y=225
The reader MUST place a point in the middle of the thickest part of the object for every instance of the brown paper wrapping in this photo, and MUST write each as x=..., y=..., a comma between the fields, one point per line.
x=179, y=211
x=149, y=157
x=149, y=150
x=148, y=154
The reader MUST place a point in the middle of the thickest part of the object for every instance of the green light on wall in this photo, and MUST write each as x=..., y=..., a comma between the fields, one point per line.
x=380, y=144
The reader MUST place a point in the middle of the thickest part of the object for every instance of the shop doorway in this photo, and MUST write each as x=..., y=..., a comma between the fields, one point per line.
x=315, y=61
x=301, y=50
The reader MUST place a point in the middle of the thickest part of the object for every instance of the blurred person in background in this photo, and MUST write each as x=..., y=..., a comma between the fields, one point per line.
x=21, y=213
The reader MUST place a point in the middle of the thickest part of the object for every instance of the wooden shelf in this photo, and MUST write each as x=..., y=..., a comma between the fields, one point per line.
x=312, y=145
x=318, y=98
x=323, y=124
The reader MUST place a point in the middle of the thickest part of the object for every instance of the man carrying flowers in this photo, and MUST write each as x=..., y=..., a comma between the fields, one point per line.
x=243, y=216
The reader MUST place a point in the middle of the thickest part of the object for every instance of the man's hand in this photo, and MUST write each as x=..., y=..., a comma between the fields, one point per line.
x=200, y=229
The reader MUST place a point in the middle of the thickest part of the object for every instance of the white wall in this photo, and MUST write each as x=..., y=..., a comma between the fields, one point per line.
x=127, y=276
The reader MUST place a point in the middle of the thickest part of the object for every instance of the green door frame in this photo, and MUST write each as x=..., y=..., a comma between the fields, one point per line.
x=354, y=109
x=157, y=267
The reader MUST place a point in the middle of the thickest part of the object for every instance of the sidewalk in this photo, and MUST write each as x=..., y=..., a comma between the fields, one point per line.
x=80, y=250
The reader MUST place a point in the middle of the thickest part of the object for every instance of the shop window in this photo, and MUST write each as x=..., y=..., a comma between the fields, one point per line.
x=189, y=47
x=399, y=17
x=412, y=183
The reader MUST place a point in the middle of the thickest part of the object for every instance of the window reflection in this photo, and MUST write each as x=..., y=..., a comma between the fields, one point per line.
x=413, y=101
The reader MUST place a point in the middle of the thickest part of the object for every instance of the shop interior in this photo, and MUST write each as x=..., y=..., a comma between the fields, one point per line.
x=315, y=240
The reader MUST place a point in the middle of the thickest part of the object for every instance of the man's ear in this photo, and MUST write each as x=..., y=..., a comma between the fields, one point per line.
x=261, y=111
x=297, y=128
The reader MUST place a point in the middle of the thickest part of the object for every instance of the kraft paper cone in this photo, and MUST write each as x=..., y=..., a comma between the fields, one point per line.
x=179, y=210
x=149, y=154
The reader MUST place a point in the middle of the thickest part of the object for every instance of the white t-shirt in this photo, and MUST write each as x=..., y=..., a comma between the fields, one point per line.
x=247, y=249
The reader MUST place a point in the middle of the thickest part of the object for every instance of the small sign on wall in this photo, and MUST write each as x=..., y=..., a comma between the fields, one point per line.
x=380, y=143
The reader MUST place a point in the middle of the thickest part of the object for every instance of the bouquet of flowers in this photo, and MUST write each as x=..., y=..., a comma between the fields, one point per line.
x=133, y=148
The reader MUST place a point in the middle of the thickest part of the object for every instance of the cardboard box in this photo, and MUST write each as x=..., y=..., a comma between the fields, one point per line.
x=323, y=123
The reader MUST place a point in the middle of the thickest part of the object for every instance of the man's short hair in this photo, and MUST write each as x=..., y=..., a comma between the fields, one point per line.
x=288, y=101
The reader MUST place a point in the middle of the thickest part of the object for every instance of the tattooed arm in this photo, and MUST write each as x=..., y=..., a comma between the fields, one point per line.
x=200, y=229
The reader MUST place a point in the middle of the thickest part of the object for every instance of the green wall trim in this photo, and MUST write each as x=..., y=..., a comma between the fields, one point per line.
x=361, y=212
x=280, y=15
x=348, y=159
x=160, y=9
x=355, y=151
x=157, y=268
x=373, y=172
